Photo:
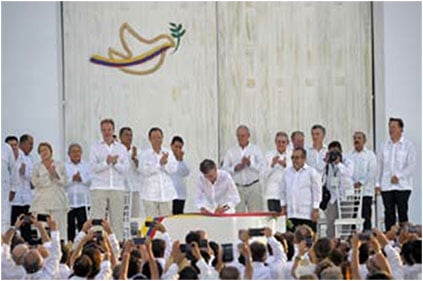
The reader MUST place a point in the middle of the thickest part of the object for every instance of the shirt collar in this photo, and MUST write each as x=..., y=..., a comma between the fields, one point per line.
x=104, y=142
x=324, y=146
x=401, y=140
x=70, y=162
x=247, y=146
x=304, y=168
x=364, y=150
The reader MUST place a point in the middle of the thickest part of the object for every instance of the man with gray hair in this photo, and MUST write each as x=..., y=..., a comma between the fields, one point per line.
x=277, y=160
x=364, y=175
x=316, y=152
x=77, y=189
x=243, y=162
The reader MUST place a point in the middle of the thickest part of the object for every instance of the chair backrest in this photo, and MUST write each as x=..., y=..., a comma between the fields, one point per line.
x=349, y=202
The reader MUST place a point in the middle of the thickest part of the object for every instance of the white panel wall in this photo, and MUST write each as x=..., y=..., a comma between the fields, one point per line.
x=286, y=66
x=180, y=98
x=31, y=72
x=399, y=79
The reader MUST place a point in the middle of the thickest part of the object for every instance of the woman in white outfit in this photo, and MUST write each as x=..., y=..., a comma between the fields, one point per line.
x=49, y=178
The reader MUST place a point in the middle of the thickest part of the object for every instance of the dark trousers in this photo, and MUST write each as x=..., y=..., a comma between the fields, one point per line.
x=178, y=206
x=395, y=200
x=366, y=212
x=76, y=216
x=297, y=222
x=25, y=228
x=274, y=205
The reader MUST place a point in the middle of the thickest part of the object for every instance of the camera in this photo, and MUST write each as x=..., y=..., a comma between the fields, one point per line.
x=254, y=232
x=204, y=243
x=27, y=219
x=98, y=236
x=97, y=221
x=139, y=240
x=333, y=155
x=228, y=252
x=134, y=228
x=309, y=241
x=365, y=236
x=149, y=223
x=185, y=248
x=42, y=217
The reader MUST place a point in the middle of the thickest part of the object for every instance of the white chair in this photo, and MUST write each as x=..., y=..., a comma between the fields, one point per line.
x=349, y=205
x=127, y=207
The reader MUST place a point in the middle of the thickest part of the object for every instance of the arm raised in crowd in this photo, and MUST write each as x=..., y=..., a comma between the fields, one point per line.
x=392, y=255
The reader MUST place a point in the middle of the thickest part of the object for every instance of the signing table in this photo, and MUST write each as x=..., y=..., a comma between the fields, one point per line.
x=220, y=228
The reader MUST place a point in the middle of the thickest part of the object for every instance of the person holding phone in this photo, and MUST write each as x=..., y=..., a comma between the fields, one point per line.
x=216, y=192
x=49, y=178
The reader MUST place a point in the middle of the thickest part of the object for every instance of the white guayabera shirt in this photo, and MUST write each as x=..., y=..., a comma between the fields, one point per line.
x=396, y=159
x=272, y=177
x=157, y=184
x=364, y=169
x=222, y=192
x=233, y=157
x=301, y=191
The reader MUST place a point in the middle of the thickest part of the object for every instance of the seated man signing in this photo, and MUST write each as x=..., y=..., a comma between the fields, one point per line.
x=216, y=192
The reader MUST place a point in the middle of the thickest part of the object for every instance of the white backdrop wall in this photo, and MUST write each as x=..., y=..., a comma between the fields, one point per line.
x=398, y=74
x=31, y=72
x=286, y=66
x=277, y=66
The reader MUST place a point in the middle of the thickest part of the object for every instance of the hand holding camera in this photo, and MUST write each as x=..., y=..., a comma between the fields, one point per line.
x=333, y=157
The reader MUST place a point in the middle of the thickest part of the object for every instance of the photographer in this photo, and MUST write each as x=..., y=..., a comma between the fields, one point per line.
x=338, y=174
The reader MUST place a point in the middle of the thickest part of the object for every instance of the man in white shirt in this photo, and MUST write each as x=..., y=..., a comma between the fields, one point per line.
x=156, y=166
x=22, y=198
x=77, y=189
x=301, y=191
x=132, y=179
x=109, y=165
x=216, y=192
x=263, y=267
x=297, y=140
x=364, y=175
x=277, y=161
x=395, y=168
x=178, y=177
x=317, y=151
x=9, y=182
x=338, y=175
x=244, y=162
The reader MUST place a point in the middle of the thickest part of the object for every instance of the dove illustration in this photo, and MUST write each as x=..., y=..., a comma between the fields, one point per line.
x=141, y=64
